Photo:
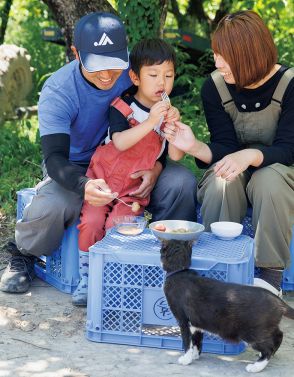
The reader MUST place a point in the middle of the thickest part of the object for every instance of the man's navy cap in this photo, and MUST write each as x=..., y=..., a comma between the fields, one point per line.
x=101, y=41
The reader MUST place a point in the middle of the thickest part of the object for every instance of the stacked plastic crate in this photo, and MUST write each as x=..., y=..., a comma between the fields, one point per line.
x=126, y=303
x=61, y=268
x=288, y=276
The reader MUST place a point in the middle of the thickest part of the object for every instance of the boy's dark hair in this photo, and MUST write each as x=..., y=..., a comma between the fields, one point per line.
x=151, y=51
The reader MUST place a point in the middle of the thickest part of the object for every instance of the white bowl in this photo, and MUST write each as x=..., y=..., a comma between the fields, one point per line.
x=226, y=230
x=177, y=230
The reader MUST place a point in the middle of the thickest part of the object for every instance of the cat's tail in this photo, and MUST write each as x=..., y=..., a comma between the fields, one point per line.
x=288, y=311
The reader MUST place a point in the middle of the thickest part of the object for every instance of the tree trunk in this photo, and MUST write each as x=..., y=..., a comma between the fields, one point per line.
x=4, y=13
x=163, y=6
x=67, y=12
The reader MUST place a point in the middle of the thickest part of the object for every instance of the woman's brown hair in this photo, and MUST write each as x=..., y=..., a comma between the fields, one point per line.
x=246, y=44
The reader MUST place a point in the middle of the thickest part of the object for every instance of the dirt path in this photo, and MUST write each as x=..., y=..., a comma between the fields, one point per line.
x=42, y=335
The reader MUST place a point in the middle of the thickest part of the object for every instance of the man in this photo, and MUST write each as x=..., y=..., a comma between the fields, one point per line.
x=73, y=119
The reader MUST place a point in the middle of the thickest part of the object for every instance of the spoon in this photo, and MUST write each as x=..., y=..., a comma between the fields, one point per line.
x=135, y=205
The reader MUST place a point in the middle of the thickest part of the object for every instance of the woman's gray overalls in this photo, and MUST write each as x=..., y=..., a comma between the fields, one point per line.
x=270, y=189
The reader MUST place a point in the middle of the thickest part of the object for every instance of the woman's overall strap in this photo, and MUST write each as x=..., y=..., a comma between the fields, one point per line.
x=221, y=87
x=282, y=86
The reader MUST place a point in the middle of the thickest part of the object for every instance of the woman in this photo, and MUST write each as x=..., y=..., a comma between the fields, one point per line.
x=249, y=108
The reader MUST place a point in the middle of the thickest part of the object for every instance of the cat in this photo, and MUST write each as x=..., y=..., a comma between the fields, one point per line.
x=235, y=312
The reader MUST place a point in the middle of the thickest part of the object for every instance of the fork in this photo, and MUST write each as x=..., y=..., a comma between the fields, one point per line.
x=120, y=200
x=165, y=97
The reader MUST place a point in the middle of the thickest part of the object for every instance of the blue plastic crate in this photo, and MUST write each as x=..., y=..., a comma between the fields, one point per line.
x=126, y=303
x=288, y=276
x=60, y=269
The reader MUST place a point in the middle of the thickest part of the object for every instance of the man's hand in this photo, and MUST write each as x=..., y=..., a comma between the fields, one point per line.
x=98, y=193
x=149, y=178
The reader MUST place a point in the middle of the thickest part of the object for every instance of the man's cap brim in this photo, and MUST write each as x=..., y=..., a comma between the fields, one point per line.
x=114, y=60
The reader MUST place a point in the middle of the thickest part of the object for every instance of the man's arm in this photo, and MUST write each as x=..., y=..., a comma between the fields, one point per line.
x=55, y=149
x=72, y=177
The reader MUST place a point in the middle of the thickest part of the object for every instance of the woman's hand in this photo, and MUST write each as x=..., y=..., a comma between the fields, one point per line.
x=233, y=164
x=180, y=135
x=98, y=193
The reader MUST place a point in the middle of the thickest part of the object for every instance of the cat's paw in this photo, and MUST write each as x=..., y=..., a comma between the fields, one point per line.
x=195, y=353
x=187, y=358
x=256, y=367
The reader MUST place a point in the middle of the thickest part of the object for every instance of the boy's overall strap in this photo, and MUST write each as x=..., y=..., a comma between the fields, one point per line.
x=282, y=86
x=122, y=107
x=221, y=87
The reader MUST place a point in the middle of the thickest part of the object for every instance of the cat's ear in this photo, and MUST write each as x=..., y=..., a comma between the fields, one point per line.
x=191, y=243
x=164, y=242
x=164, y=246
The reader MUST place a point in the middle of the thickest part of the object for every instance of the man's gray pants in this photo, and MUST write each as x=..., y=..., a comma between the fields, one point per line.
x=54, y=208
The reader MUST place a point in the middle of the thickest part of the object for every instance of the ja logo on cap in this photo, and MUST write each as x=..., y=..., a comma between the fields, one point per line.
x=104, y=40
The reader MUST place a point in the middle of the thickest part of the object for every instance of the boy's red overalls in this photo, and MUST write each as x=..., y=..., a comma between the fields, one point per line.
x=115, y=167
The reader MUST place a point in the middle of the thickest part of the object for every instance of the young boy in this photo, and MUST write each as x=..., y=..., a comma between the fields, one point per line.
x=135, y=144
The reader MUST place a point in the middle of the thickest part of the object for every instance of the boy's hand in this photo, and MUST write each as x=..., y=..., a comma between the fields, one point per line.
x=173, y=115
x=157, y=112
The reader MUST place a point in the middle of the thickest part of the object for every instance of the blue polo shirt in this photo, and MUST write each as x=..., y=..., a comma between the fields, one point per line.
x=68, y=104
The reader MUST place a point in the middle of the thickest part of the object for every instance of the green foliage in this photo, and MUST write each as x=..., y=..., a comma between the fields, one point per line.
x=190, y=77
x=277, y=14
x=19, y=144
x=142, y=19
x=19, y=161
x=26, y=20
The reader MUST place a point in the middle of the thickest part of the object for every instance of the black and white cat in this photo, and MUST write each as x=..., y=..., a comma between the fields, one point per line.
x=234, y=312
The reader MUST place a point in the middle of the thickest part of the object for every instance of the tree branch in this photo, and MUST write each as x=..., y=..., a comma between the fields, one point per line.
x=224, y=8
x=4, y=14
x=180, y=18
x=196, y=10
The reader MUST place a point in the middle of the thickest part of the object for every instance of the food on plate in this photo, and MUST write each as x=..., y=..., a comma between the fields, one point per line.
x=135, y=206
x=163, y=228
x=180, y=230
x=160, y=227
x=129, y=230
